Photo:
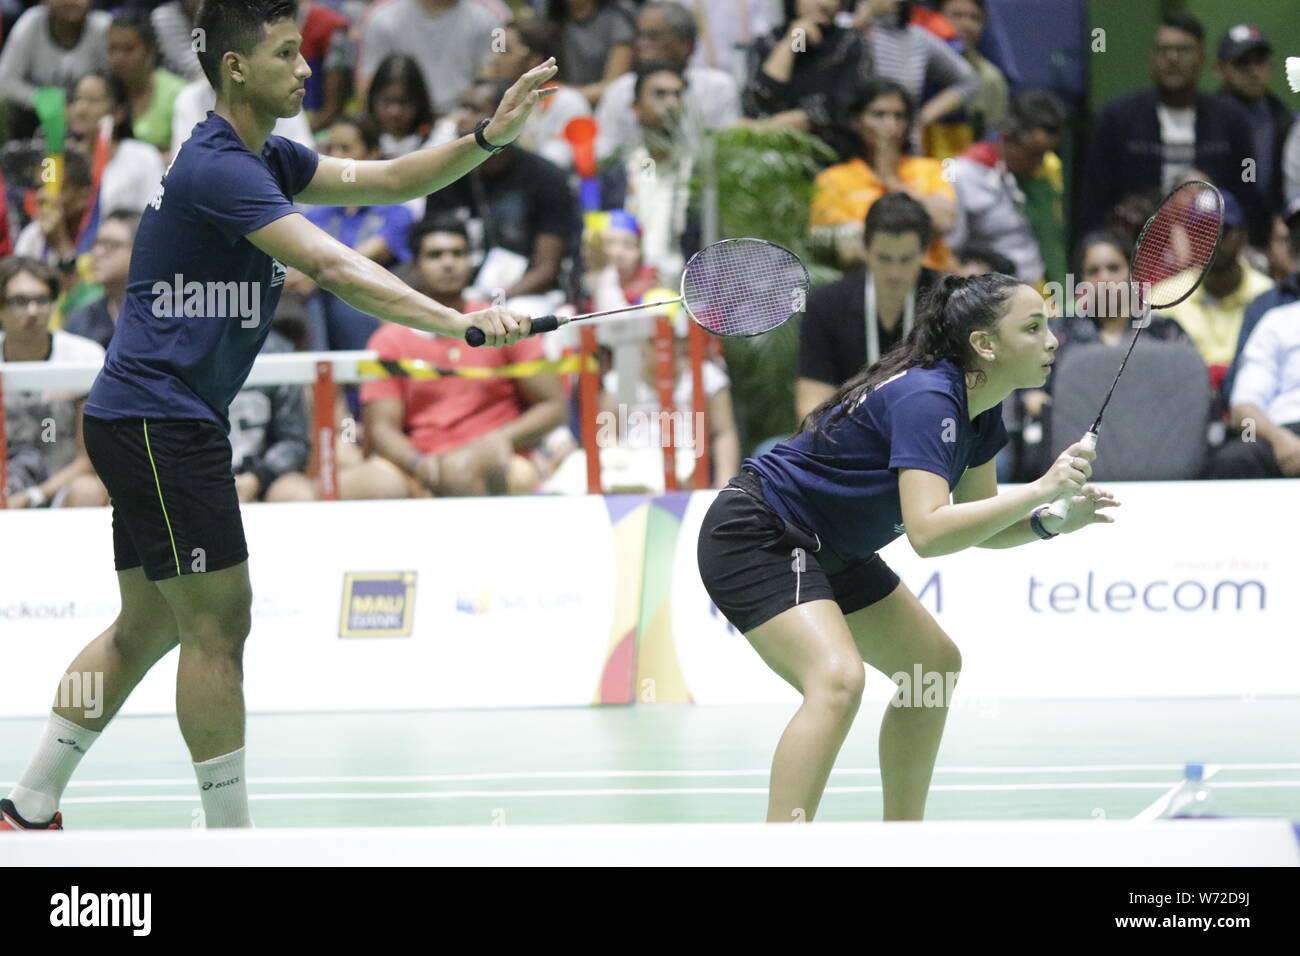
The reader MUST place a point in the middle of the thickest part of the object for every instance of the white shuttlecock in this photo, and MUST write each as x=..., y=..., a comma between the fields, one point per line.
x=1293, y=73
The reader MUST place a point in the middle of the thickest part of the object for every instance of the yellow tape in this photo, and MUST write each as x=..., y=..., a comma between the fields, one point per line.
x=423, y=371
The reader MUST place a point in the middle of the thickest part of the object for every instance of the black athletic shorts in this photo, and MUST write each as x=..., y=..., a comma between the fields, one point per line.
x=172, y=485
x=756, y=564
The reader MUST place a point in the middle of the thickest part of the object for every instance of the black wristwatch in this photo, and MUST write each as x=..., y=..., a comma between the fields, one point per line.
x=482, y=140
x=1036, y=524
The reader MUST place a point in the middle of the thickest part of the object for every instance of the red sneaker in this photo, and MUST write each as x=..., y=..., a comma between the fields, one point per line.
x=10, y=820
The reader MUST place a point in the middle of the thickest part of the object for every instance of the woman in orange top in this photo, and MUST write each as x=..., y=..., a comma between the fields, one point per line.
x=881, y=114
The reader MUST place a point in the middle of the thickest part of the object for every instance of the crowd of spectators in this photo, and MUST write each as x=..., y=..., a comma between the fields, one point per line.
x=936, y=163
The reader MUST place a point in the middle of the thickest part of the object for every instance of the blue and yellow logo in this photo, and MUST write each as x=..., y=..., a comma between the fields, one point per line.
x=378, y=604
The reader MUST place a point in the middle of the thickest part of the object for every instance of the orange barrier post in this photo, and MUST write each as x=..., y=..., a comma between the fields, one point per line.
x=588, y=402
x=665, y=378
x=702, y=478
x=324, y=461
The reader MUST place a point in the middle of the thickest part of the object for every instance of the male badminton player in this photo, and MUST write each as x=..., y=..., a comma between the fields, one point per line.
x=788, y=550
x=206, y=273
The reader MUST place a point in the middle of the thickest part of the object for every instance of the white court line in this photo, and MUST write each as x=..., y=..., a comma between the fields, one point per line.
x=630, y=774
x=1161, y=803
x=656, y=791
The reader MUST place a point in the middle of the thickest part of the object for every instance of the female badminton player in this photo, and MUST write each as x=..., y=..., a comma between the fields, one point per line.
x=788, y=550
x=206, y=274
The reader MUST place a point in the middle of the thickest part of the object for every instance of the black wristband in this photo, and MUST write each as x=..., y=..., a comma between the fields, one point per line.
x=1036, y=524
x=482, y=140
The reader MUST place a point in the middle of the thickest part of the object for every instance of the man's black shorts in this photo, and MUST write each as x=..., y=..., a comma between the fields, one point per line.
x=175, y=508
x=756, y=564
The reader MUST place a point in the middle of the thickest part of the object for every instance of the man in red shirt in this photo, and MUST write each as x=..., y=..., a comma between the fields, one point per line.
x=454, y=435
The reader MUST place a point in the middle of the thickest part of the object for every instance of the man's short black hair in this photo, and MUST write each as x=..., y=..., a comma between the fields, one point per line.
x=1178, y=20
x=237, y=25
x=76, y=170
x=680, y=20
x=33, y=267
x=898, y=213
x=1034, y=109
x=995, y=260
x=428, y=227
x=647, y=70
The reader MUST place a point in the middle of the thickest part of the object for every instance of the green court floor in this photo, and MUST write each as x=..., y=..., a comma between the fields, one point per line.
x=1021, y=760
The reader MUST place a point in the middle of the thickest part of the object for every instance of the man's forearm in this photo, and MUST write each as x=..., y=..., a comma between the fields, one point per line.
x=1264, y=427
x=534, y=424
x=393, y=444
x=425, y=171
x=370, y=288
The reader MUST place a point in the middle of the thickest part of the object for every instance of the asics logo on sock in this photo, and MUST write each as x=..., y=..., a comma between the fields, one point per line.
x=209, y=785
x=72, y=744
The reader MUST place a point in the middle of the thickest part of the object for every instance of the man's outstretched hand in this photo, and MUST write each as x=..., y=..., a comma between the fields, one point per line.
x=518, y=103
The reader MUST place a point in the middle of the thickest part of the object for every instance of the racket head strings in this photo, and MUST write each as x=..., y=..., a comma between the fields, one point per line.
x=1177, y=245
x=744, y=287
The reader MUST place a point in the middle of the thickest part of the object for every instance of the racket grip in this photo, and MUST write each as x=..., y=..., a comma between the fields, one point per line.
x=1060, y=508
x=474, y=336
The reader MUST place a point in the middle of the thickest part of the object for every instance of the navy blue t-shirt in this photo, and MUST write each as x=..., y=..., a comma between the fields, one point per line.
x=200, y=297
x=847, y=490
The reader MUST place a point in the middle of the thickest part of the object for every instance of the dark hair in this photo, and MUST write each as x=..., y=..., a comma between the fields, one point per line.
x=138, y=20
x=1034, y=109
x=235, y=26
x=645, y=70
x=1102, y=237
x=873, y=89
x=499, y=87
x=126, y=217
x=76, y=170
x=954, y=308
x=116, y=86
x=14, y=265
x=365, y=127
x=680, y=20
x=995, y=260
x=405, y=72
x=428, y=227
x=898, y=213
x=540, y=36
x=1179, y=20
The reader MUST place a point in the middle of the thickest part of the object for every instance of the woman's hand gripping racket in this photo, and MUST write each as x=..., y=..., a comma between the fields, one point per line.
x=1173, y=253
x=732, y=287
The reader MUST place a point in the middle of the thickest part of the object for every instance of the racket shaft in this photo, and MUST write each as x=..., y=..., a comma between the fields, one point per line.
x=549, y=323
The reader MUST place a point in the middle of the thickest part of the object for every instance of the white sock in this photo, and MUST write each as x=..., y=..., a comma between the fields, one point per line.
x=223, y=788
x=63, y=744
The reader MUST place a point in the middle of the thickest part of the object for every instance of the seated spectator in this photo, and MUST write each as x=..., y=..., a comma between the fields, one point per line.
x=198, y=98
x=52, y=44
x=1010, y=193
x=173, y=23
x=529, y=43
x=1285, y=292
x=881, y=117
x=377, y=232
x=100, y=111
x=596, y=39
x=981, y=260
x=47, y=461
x=269, y=439
x=1102, y=310
x=455, y=435
x=110, y=263
x=151, y=90
x=398, y=102
x=802, y=74
x=447, y=39
x=617, y=277
x=1279, y=260
x=517, y=207
x=1265, y=406
x=1212, y=315
x=1291, y=166
x=855, y=320
x=1144, y=142
x=665, y=32
x=660, y=201
x=986, y=109
x=328, y=49
x=917, y=60
x=1245, y=68
x=52, y=237
x=727, y=29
